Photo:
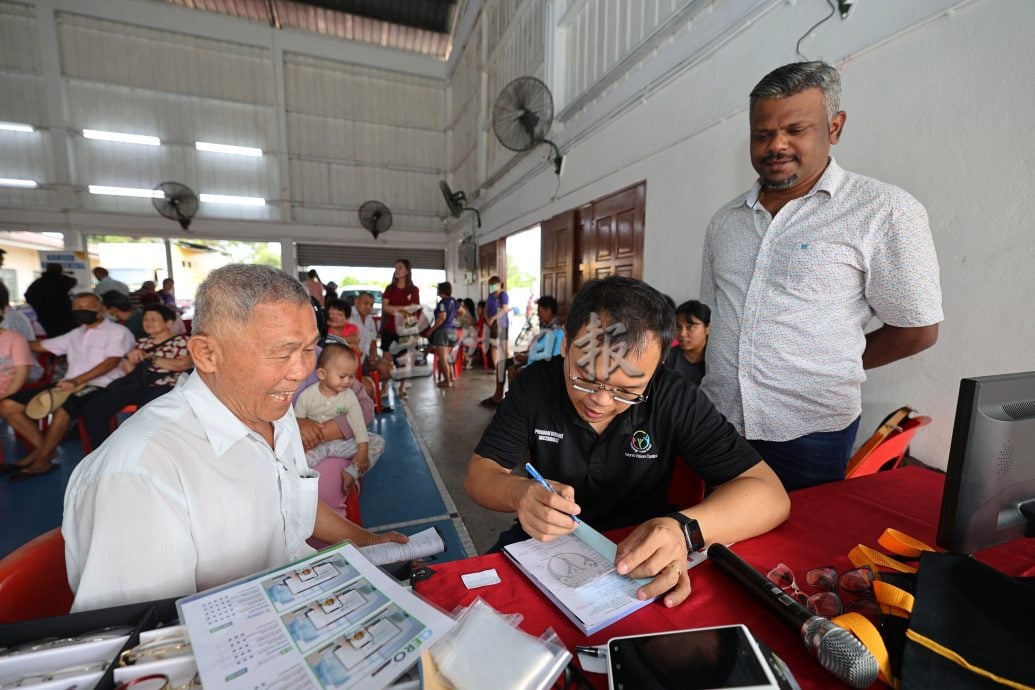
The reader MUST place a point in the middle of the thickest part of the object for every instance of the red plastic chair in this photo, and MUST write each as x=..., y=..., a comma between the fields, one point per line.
x=686, y=488
x=890, y=453
x=33, y=583
x=352, y=511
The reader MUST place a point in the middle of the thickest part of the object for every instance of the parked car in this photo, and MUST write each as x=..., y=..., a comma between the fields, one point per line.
x=349, y=293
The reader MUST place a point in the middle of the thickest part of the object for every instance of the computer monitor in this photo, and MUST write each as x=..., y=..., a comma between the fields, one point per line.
x=990, y=479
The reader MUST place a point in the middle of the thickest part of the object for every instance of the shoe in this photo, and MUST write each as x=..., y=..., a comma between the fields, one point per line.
x=490, y=402
x=385, y=409
x=23, y=475
x=10, y=468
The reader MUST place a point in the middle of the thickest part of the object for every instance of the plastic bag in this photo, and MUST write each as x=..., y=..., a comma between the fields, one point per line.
x=486, y=650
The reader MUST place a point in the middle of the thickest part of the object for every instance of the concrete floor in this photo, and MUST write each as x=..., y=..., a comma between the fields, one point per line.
x=450, y=422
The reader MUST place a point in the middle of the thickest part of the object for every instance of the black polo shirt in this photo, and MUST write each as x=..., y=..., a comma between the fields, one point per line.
x=621, y=477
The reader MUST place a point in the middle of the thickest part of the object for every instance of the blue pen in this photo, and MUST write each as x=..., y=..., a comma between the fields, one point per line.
x=534, y=474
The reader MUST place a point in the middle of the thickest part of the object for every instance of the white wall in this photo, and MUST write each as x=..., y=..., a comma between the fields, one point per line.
x=938, y=103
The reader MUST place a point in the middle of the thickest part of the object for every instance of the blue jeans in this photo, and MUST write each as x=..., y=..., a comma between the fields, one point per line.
x=812, y=459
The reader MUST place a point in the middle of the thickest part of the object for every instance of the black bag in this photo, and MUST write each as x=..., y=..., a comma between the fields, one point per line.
x=971, y=627
x=955, y=623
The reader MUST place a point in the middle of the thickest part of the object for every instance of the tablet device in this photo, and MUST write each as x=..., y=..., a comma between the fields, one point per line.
x=698, y=659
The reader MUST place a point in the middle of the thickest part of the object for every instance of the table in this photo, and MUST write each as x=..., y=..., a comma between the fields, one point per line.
x=825, y=523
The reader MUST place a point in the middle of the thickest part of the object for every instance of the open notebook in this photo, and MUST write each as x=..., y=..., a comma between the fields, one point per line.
x=577, y=573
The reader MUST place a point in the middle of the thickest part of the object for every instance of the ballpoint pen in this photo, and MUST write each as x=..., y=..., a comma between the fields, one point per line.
x=534, y=474
x=591, y=651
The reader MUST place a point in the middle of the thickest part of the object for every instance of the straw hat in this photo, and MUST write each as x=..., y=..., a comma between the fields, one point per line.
x=47, y=401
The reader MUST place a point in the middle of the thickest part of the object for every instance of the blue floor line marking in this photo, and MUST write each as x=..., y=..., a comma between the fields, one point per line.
x=400, y=487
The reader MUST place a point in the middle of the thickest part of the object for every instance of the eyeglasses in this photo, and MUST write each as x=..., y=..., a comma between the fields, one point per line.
x=617, y=394
x=858, y=582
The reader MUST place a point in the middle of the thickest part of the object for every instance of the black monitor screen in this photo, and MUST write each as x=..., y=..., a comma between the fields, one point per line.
x=990, y=479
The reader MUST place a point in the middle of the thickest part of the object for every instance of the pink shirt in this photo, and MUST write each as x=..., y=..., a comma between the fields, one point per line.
x=14, y=352
x=88, y=347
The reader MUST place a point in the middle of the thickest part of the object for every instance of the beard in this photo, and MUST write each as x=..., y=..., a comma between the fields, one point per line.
x=778, y=185
x=785, y=183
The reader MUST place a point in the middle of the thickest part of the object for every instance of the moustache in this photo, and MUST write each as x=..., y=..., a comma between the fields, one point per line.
x=778, y=158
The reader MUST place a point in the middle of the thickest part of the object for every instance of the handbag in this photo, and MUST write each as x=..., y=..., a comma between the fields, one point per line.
x=949, y=622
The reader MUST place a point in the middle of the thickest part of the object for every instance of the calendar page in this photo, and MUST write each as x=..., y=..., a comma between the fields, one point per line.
x=333, y=620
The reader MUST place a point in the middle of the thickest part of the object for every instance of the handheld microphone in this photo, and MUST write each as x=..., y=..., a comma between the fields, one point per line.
x=836, y=649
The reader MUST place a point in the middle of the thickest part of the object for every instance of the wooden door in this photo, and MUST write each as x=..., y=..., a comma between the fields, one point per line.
x=492, y=261
x=556, y=259
x=611, y=232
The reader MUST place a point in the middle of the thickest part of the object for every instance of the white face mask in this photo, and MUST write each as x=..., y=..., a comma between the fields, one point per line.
x=493, y=287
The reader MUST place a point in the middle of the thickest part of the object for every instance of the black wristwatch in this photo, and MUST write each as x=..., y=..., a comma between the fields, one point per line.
x=691, y=531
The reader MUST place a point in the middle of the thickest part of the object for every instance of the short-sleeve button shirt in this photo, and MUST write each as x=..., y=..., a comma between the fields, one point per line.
x=621, y=477
x=87, y=347
x=791, y=295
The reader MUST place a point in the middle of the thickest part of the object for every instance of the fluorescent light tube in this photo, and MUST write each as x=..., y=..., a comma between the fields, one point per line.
x=14, y=182
x=16, y=127
x=121, y=136
x=126, y=191
x=226, y=148
x=236, y=200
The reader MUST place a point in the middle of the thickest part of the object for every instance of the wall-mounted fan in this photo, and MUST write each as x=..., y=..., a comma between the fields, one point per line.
x=178, y=202
x=375, y=217
x=522, y=116
x=456, y=200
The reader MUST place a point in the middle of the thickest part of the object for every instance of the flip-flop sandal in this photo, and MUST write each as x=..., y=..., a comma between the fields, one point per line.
x=23, y=475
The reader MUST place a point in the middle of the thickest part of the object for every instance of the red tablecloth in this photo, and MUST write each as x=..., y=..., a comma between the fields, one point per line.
x=825, y=523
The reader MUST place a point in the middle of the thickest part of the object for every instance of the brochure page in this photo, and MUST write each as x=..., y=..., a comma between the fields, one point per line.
x=333, y=620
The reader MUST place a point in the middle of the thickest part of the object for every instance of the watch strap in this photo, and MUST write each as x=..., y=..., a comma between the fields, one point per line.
x=691, y=530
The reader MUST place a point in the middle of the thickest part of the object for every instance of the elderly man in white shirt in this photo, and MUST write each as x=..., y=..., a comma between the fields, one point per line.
x=208, y=483
x=94, y=351
x=362, y=317
x=796, y=268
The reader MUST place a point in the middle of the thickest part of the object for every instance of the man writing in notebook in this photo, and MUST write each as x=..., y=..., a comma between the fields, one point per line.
x=605, y=426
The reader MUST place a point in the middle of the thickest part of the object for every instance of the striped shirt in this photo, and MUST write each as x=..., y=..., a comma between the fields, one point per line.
x=791, y=295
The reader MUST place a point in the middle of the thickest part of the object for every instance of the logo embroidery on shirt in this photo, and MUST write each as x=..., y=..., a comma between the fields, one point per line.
x=549, y=436
x=641, y=444
x=640, y=441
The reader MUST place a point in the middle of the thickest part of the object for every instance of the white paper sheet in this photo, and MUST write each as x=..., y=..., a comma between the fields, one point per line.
x=421, y=545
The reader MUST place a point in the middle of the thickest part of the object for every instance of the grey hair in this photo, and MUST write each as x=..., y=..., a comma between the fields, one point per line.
x=797, y=77
x=230, y=293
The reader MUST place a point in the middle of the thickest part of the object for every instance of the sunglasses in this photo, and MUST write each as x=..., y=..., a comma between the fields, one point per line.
x=857, y=582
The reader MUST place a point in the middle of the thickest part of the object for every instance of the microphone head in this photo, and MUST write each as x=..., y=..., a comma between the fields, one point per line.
x=839, y=652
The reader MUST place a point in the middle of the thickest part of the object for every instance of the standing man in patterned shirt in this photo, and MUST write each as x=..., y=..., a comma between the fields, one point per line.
x=796, y=268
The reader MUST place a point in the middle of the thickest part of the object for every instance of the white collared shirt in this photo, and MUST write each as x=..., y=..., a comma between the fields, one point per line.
x=184, y=497
x=367, y=330
x=87, y=347
x=791, y=295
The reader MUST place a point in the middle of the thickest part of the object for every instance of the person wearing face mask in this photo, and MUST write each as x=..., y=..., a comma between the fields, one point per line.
x=94, y=351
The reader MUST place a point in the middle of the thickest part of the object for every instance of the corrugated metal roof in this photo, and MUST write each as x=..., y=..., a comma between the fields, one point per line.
x=419, y=26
